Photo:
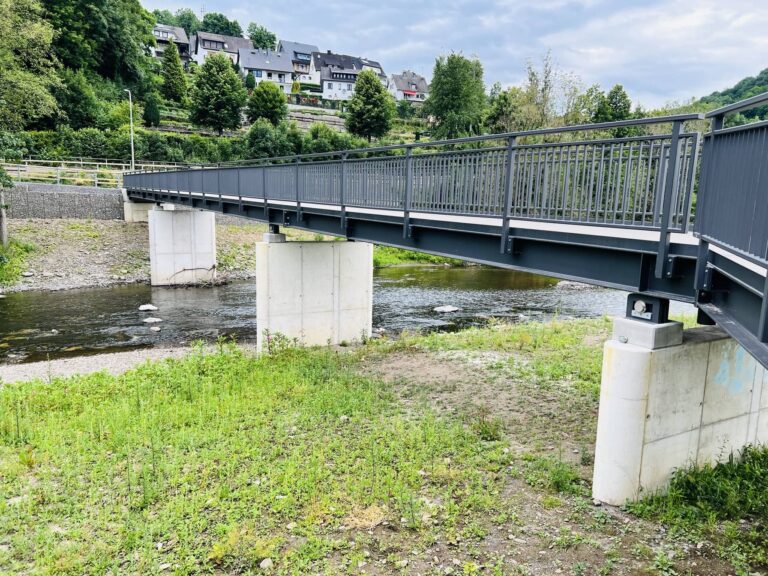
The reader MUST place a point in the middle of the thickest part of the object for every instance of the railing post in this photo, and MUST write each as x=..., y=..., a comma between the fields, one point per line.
x=264, y=191
x=299, y=217
x=509, y=176
x=669, y=193
x=408, y=198
x=342, y=193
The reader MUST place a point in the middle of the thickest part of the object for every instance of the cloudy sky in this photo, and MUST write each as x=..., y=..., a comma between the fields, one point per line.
x=660, y=50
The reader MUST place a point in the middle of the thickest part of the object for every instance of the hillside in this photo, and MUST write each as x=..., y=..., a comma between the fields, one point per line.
x=746, y=88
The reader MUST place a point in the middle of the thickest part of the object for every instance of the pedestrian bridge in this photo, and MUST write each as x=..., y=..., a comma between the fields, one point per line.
x=662, y=211
x=651, y=206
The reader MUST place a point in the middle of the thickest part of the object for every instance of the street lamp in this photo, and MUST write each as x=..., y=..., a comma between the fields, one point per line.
x=130, y=114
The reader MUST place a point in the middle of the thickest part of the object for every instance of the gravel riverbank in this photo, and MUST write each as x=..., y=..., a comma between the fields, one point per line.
x=97, y=253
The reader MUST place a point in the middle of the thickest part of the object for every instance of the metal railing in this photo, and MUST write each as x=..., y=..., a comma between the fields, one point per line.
x=732, y=204
x=640, y=181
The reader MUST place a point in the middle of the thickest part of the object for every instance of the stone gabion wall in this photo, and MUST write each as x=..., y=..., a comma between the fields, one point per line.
x=52, y=201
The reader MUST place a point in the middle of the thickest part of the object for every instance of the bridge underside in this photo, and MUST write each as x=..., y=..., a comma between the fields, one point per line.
x=623, y=259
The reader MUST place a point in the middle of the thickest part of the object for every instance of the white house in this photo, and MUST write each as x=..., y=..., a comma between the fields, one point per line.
x=409, y=86
x=164, y=34
x=267, y=66
x=338, y=73
x=203, y=44
x=301, y=58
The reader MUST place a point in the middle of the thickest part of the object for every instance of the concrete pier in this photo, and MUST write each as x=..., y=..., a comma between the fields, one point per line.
x=671, y=398
x=135, y=211
x=182, y=246
x=317, y=292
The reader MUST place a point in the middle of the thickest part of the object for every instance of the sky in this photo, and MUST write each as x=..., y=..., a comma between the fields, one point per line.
x=661, y=51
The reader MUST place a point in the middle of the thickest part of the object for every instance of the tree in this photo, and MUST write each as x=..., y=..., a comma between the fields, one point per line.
x=106, y=36
x=5, y=182
x=218, y=95
x=457, y=96
x=371, y=108
x=613, y=107
x=295, y=87
x=261, y=37
x=164, y=17
x=250, y=82
x=187, y=19
x=152, y=110
x=217, y=23
x=405, y=110
x=267, y=141
x=512, y=111
x=27, y=66
x=174, y=83
x=78, y=102
x=267, y=101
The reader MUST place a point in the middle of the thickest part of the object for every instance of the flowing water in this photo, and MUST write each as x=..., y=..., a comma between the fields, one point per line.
x=39, y=325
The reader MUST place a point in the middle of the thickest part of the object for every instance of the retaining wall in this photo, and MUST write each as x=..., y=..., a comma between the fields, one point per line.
x=52, y=201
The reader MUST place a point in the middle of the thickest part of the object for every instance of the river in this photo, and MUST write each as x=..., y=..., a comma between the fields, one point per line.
x=40, y=325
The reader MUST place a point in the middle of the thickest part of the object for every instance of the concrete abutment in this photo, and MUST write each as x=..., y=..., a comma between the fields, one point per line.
x=671, y=398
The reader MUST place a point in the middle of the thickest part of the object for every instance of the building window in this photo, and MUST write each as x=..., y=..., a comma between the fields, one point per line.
x=349, y=86
x=281, y=77
x=330, y=85
x=257, y=73
x=269, y=75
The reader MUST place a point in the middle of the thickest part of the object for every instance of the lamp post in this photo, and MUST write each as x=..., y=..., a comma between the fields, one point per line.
x=130, y=115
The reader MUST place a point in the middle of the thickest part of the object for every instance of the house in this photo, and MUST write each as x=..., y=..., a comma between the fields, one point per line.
x=338, y=73
x=267, y=66
x=301, y=58
x=202, y=44
x=164, y=34
x=409, y=86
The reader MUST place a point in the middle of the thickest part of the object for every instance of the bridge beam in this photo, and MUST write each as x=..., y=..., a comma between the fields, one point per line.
x=182, y=246
x=670, y=398
x=316, y=292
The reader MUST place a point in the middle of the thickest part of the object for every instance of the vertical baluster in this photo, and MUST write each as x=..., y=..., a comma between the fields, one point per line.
x=667, y=197
x=408, y=192
x=508, y=179
x=342, y=193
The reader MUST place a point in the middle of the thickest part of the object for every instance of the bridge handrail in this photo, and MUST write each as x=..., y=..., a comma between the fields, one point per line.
x=740, y=106
x=466, y=140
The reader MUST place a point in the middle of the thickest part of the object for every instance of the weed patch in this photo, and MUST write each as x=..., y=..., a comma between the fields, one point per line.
x=12, y=261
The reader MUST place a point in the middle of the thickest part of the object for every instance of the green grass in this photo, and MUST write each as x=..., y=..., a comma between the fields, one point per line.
x=556, y=352
x=388, y=256
x=219, y=460
x=711, y=501
x=13, y=260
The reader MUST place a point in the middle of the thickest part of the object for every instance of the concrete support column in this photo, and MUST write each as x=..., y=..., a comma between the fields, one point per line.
x=135, y=211
x=317, y=292
x=182, y=247
x=671, y=398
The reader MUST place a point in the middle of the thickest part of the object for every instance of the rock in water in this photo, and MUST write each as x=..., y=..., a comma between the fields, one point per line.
x=155, y=328
x=152, y=320
x=445, y=309
x=147, y=308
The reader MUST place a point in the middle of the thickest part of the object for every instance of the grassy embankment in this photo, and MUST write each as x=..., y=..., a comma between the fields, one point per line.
x=329, y=462
x=12, y=261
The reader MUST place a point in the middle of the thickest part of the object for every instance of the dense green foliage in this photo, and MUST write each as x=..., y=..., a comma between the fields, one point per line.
x=261, y=37
x=218, y=95
x=746, y=88
x=701, y=496
x=106, y=36
x=267, y=101
x=371, y=109
x=184, y=18
x=265, y=140
x=151, y=115
x=250, y=82
x=457, y=96
x=174, y=82
x=27, y=73
x=217, y=23
x=13, y=258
